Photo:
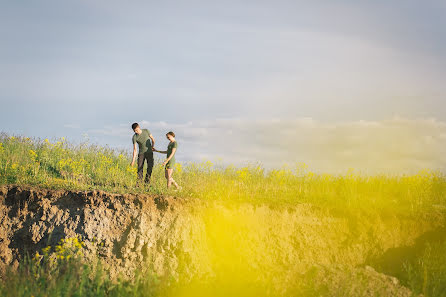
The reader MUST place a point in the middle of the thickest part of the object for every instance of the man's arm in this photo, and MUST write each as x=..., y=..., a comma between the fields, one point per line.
x=134, y=154
x=153, y=142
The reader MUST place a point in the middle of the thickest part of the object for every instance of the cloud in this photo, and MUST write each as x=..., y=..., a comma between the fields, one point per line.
x=396, y=145
x=72, y=126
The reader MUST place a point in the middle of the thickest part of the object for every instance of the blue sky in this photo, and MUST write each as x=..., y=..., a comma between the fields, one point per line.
x=232, y=76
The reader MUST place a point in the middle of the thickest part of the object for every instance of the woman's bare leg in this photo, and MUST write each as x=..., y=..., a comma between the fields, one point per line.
x=170, y=180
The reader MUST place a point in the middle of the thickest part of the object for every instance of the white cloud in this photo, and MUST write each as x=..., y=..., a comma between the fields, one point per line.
x=72, y=126
x=395, y=145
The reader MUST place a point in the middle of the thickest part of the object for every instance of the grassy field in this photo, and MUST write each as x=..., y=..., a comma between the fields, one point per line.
x=62, y=165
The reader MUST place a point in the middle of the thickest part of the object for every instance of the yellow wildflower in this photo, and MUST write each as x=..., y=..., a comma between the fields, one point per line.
x=33, y=155
x=178, y=167
x=243, y=173
x=310, y=174
x=46, y=250
x=131, y=169
x=36, y=256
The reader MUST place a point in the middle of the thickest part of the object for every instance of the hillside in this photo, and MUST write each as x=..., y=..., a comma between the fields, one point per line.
x=210, y=242
x=230, y=231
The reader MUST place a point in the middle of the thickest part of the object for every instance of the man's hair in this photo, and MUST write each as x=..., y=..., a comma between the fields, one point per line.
x=170, y=133
x=134, y=126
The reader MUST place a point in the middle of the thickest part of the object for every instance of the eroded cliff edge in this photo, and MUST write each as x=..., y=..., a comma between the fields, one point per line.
x=197, y=239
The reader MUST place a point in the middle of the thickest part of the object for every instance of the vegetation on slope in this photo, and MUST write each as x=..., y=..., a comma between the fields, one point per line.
x=61, y=165
x=80, y=167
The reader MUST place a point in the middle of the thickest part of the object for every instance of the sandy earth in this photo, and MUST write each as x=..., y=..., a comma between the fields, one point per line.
x=191, y=238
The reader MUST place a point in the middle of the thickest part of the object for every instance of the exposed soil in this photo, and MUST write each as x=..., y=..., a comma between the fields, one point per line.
x=194, y=238
x=123, y=230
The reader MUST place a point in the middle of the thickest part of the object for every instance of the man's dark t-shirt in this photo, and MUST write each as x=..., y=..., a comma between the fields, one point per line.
x=143, y=141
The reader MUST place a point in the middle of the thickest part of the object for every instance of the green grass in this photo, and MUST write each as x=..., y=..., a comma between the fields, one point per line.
x=62, y=165
x=426, y=273
x=63, y=273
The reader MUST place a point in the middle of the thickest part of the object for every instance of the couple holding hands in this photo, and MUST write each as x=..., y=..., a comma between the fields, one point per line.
x=146, y=144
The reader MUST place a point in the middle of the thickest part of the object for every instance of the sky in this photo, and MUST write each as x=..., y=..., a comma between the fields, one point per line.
x=333, y=84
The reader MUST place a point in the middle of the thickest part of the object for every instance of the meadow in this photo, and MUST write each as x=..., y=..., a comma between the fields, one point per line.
x=59, y=164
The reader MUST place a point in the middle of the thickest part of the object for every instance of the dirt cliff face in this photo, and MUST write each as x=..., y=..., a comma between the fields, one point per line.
x=124, y=230
x=195, y=240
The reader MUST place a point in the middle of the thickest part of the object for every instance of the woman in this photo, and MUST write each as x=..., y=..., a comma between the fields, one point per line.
x=169, y=163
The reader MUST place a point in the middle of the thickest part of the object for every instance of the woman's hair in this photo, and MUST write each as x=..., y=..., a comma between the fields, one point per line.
x=170, y=133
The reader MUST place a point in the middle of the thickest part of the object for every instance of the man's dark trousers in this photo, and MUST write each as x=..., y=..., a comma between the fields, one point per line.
x=141, y=157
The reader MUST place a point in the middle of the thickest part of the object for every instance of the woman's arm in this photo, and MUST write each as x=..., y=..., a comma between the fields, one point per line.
x=171, y=155
x=162, y=152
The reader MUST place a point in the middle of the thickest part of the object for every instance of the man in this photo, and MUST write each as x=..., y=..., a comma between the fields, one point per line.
x=142, y=137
